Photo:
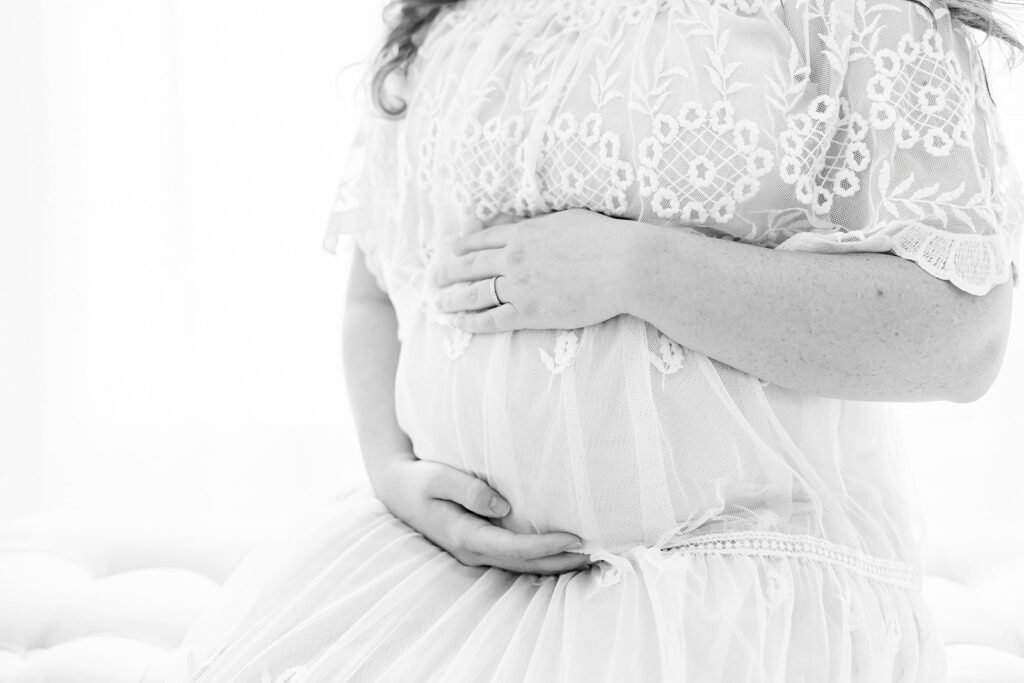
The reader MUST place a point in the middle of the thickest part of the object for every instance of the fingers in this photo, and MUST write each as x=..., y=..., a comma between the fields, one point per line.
x=465, y=296
x=497, y=319
x=554, y=564
x=475, y=541
x=468, y=491
x=473, y=265
x=559, y=563
x=493, y=541
x=493, y=237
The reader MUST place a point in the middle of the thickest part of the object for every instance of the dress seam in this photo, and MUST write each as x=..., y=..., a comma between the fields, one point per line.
x=783, y=545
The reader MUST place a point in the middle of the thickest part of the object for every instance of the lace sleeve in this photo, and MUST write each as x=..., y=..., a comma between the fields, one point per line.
x=354, y=214
x=940, y=188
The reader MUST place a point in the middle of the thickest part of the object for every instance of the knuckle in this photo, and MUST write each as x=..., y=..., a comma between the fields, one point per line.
x=457, y=545
x=436, y=479
x=515, y=255
x=473, y=294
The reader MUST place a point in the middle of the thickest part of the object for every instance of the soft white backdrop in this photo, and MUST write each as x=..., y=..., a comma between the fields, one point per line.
x=170, y=327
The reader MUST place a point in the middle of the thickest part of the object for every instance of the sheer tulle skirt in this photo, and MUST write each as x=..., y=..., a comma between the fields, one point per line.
x=355, y=594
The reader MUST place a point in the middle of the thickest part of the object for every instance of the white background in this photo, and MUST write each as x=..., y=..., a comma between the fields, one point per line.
x=170, y=327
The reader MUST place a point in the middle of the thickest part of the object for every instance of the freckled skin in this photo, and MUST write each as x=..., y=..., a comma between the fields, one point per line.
x=805, y=321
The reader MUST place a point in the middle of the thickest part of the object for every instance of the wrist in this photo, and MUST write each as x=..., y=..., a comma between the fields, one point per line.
x=629, y=258
x=637, y=262
x=661, y=272
x=378, y=464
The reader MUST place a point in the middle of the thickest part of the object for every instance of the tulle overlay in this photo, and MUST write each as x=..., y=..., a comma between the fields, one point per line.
x=359, y=595
x=739, y=531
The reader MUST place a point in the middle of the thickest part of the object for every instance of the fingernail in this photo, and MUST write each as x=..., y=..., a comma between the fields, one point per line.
x=499, y=506
x=575, y=545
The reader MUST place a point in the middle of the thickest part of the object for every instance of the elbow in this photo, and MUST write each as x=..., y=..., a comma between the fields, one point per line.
x=974, y=383
x=981, y=354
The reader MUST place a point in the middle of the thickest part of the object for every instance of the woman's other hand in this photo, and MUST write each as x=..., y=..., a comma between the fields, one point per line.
x=451, y=508
x=560, y=270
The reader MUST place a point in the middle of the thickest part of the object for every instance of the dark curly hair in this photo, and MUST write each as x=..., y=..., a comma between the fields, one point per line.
x=408, y=21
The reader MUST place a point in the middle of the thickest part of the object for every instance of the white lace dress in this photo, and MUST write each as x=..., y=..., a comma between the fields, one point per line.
x=739, y=531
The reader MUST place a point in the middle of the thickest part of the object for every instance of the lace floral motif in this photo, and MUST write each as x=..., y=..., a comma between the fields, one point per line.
x=599, y=174
x=723, y=164
x=700, y=163
x=894, y=633
x=484, y=172
x=818, y=177
x=566, y=345
x=869, y=122
x=778, y=588
x=670, y=358
x=847, y=607
x=455, y=343
x=919, y=91
x=745, y=7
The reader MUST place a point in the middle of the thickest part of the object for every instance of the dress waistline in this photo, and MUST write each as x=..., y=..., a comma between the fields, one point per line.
x=778, y=544
x=769, y=544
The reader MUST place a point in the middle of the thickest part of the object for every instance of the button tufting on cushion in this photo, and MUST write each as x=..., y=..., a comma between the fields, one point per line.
x=104, y=601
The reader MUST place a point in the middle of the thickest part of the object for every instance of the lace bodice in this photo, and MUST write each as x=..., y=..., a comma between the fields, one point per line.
x=807, y=125
x=814, y=125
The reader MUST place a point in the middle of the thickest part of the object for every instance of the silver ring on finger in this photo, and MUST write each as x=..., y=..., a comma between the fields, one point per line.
x=494, y=291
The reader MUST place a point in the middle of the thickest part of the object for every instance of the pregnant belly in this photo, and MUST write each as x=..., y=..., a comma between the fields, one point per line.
x=611, y=431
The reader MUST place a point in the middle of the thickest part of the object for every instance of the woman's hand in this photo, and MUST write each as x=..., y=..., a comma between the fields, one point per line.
x=561, y=270
x=451, y=508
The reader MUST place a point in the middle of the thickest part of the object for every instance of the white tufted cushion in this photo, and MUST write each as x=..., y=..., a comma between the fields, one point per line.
x=104, y=600
x=975, y=587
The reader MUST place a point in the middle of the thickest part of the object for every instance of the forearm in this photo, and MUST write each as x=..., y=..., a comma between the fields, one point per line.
x=852, y=326
x=370, y=350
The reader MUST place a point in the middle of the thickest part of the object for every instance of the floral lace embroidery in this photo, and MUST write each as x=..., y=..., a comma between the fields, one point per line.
x=670, y=359
x=819, y=177
x=700, y=164
x=566, y=345
x=848, y=608
x=778, y=588
x=919, y=91
x=723, y=164
x=746, y=7
x=895, y=633
x=455, y=343
x=601, y=175
x=860, y=99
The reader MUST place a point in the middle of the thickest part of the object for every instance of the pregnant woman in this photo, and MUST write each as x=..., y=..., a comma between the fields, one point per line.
x=650, y=272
